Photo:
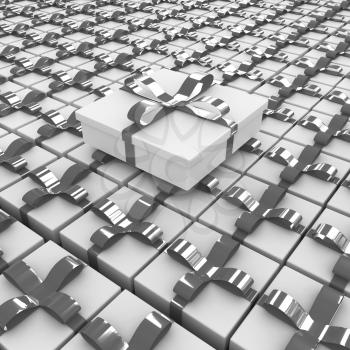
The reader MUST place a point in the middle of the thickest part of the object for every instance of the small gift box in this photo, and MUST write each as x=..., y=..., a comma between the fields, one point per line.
x=182, y=131
x=330, y=238
x=55, y=195
x=206, y=282
x=129, y=323
x=296, y=312
x=47, y=297
x=137, y=228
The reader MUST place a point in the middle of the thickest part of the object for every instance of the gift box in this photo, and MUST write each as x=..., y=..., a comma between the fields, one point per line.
x=120, y=321
x=48, y=319
x=124, y=258
x=16, y=240
x=55, y=196
x=177, y=147
x=159, y=283
x=267, y=237
x=310, y=186
x=302, y=296
x=329, y=238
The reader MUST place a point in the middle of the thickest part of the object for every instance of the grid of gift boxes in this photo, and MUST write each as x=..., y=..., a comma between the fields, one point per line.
x=174, y=174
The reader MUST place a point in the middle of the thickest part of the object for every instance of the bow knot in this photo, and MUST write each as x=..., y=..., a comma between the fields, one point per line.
x=66, y=187
x=38, y=293
x=258, y=211
x=159, y=103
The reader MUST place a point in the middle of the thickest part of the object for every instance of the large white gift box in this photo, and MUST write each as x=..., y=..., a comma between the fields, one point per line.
x=178, y=146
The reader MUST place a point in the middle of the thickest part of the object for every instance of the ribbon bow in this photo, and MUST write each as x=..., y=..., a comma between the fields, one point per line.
x=58, y=123
x=244, y=69
x=64, y=81
x=51, y=186
x=183, y=58
x=295, y=167
x=24, y=66
x=38, y=293
x=102, y=336
x=160, y=103
x=11, y=157
x=119, y=35
x=312, y=68
x=325, y=133
x=121, y=224
x=29, y=104
x=263, y=210
x=121, y=61
x=206, y=270
x=313, y=328
x=8, y=52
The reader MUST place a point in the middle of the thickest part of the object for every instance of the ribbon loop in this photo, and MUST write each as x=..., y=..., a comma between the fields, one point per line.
x=337, y=338
x=331, y=237
x=12, y=158
x=122, y=224
x=40, y=294
x=51, y=186
x=285, y=307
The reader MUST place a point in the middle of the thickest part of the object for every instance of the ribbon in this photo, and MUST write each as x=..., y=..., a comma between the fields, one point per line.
x=121, y=224
x=66, y=50
x=7, y=53
x=331, y=237
x=63, y=81
x=51, y=187
x=207, y=270
x=11, y=158
x=295, y=167
x=325, y=133
x=119, y=35
x=184, y=58
x=102, y=336
x=58, y=124
x=312, y=68
x=122, y=61
x=24, y=66
x=45, y=294
x=159, y=103
x=244, y=69
x=29, y=104
x=263, y=210
x=313, y=328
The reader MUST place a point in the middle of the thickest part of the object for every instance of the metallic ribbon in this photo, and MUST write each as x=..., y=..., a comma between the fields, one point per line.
x=263, y=210
x=121, y=224
x=295, y=167
x=11, y=158
x=63, y=81
x=244, y=69
x=325, y=133
x=29, y=104
x=341, y=98
x=159, y=103
x=314, y=327
x=51, y=186
x=58, y=124
x=102, y=336
x=207, y=270
x=24, y=66
x=45, y=294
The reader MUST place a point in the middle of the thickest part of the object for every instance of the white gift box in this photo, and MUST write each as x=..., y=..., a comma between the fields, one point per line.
x=47, y=219
x=305, y=258
x=179, y=148
x=215, y=312
x=123, y=260
x=264, y=331
x=40, y=330
x=126, y=313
